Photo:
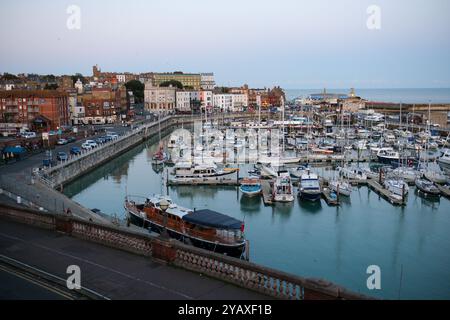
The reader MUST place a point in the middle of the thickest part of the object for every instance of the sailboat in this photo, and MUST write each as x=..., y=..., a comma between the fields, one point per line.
x=341, y=186
x=160, y=157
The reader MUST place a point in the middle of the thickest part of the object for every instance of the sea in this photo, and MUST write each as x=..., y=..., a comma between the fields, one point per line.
x=409, y=95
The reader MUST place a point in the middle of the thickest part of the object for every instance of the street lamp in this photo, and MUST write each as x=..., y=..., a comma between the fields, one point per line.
x=164, y=205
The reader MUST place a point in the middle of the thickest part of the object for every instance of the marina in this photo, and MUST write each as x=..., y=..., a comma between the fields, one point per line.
x=277, y=230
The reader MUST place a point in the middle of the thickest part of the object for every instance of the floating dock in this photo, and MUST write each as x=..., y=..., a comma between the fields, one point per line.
x=329, y=199
x=267, y=192
x=389, y=196
x=444, y=191
x=205, y=182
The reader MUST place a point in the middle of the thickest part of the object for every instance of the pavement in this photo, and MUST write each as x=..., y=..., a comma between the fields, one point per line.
x=105, y=272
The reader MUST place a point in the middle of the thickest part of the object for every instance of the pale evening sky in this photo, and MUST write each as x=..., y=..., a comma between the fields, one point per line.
x=292, y=43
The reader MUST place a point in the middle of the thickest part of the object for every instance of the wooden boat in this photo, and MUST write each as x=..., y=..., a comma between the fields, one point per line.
x=250, y=187
x=205, y=229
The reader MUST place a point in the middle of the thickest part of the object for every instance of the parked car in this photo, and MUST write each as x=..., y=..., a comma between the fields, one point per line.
x=86, y=146
x=52, y=133
x=61, y=156
x=71, y=139
x=28, y=135
x=112, y=135
x=100, y=140
x=92, y=143
x=75, y=150
x=62, y=141
x=107, y=138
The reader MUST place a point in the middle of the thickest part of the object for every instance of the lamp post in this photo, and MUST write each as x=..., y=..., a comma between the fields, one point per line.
x=164, y=205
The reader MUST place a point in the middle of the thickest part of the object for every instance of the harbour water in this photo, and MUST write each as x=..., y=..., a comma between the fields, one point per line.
x=410, y=244
x=409, y=95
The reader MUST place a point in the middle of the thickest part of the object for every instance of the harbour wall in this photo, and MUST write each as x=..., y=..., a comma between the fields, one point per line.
x=76, y=166
x=271, y=282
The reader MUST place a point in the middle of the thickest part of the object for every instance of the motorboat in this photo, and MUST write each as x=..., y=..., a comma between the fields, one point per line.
x=283, y=190
x=309, y=187
x=250, y=187
x=388, y=156
x=186, y=172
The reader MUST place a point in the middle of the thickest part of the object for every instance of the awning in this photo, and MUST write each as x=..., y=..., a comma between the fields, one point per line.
x=14, y=150
x=209, y=218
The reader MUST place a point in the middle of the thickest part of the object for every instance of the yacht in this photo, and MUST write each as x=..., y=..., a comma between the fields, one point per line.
x=186, y=172
x=282, y=190
x=298, y=172
x=409, y=175
x=309, y=187
x=350, y=173
x=388, y=156
x=341, y=186
x=444, y=161
x=427, y=187
x=396, y=186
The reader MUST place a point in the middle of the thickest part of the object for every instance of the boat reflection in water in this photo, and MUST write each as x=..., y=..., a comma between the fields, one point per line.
x=250, y=205
x=205, y=229
x=310, y=206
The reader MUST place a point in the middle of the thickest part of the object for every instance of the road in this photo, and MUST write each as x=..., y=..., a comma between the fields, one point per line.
x=106, y=272
x=18, y=286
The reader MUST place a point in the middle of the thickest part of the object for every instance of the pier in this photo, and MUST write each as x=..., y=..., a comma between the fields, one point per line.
x=444, y=191
x=329, y=199
x=267, y=192
x=389, y=196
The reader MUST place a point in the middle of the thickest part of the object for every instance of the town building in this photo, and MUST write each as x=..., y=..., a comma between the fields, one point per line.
x=188, y=80
x=102, y=105
x=159, y=99
x=39, y=110
x=223, y=102
x=207, y=81
x=206, y=100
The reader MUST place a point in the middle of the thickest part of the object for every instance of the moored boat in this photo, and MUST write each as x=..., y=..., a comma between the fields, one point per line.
x=427, y=187
x=309, y=187
x=341, y=187
x=196, y=173
x=396, y=186
x=205, y=229
x=282, y=190
x=388, y=156
x=250, y=187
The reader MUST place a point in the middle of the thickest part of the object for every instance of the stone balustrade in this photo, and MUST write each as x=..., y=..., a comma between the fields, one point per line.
x=274, y=283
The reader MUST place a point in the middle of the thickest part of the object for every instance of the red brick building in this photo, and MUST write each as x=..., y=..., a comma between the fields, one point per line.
x=103, y=105
x=40, y=110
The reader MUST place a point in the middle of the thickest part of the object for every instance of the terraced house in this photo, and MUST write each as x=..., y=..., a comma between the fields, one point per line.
x=39, y=110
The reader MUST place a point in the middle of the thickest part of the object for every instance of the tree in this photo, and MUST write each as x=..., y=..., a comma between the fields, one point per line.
x=51, y=86
x=77, y=76
x=137, y=88
x=9, y=76
x=174, y=83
